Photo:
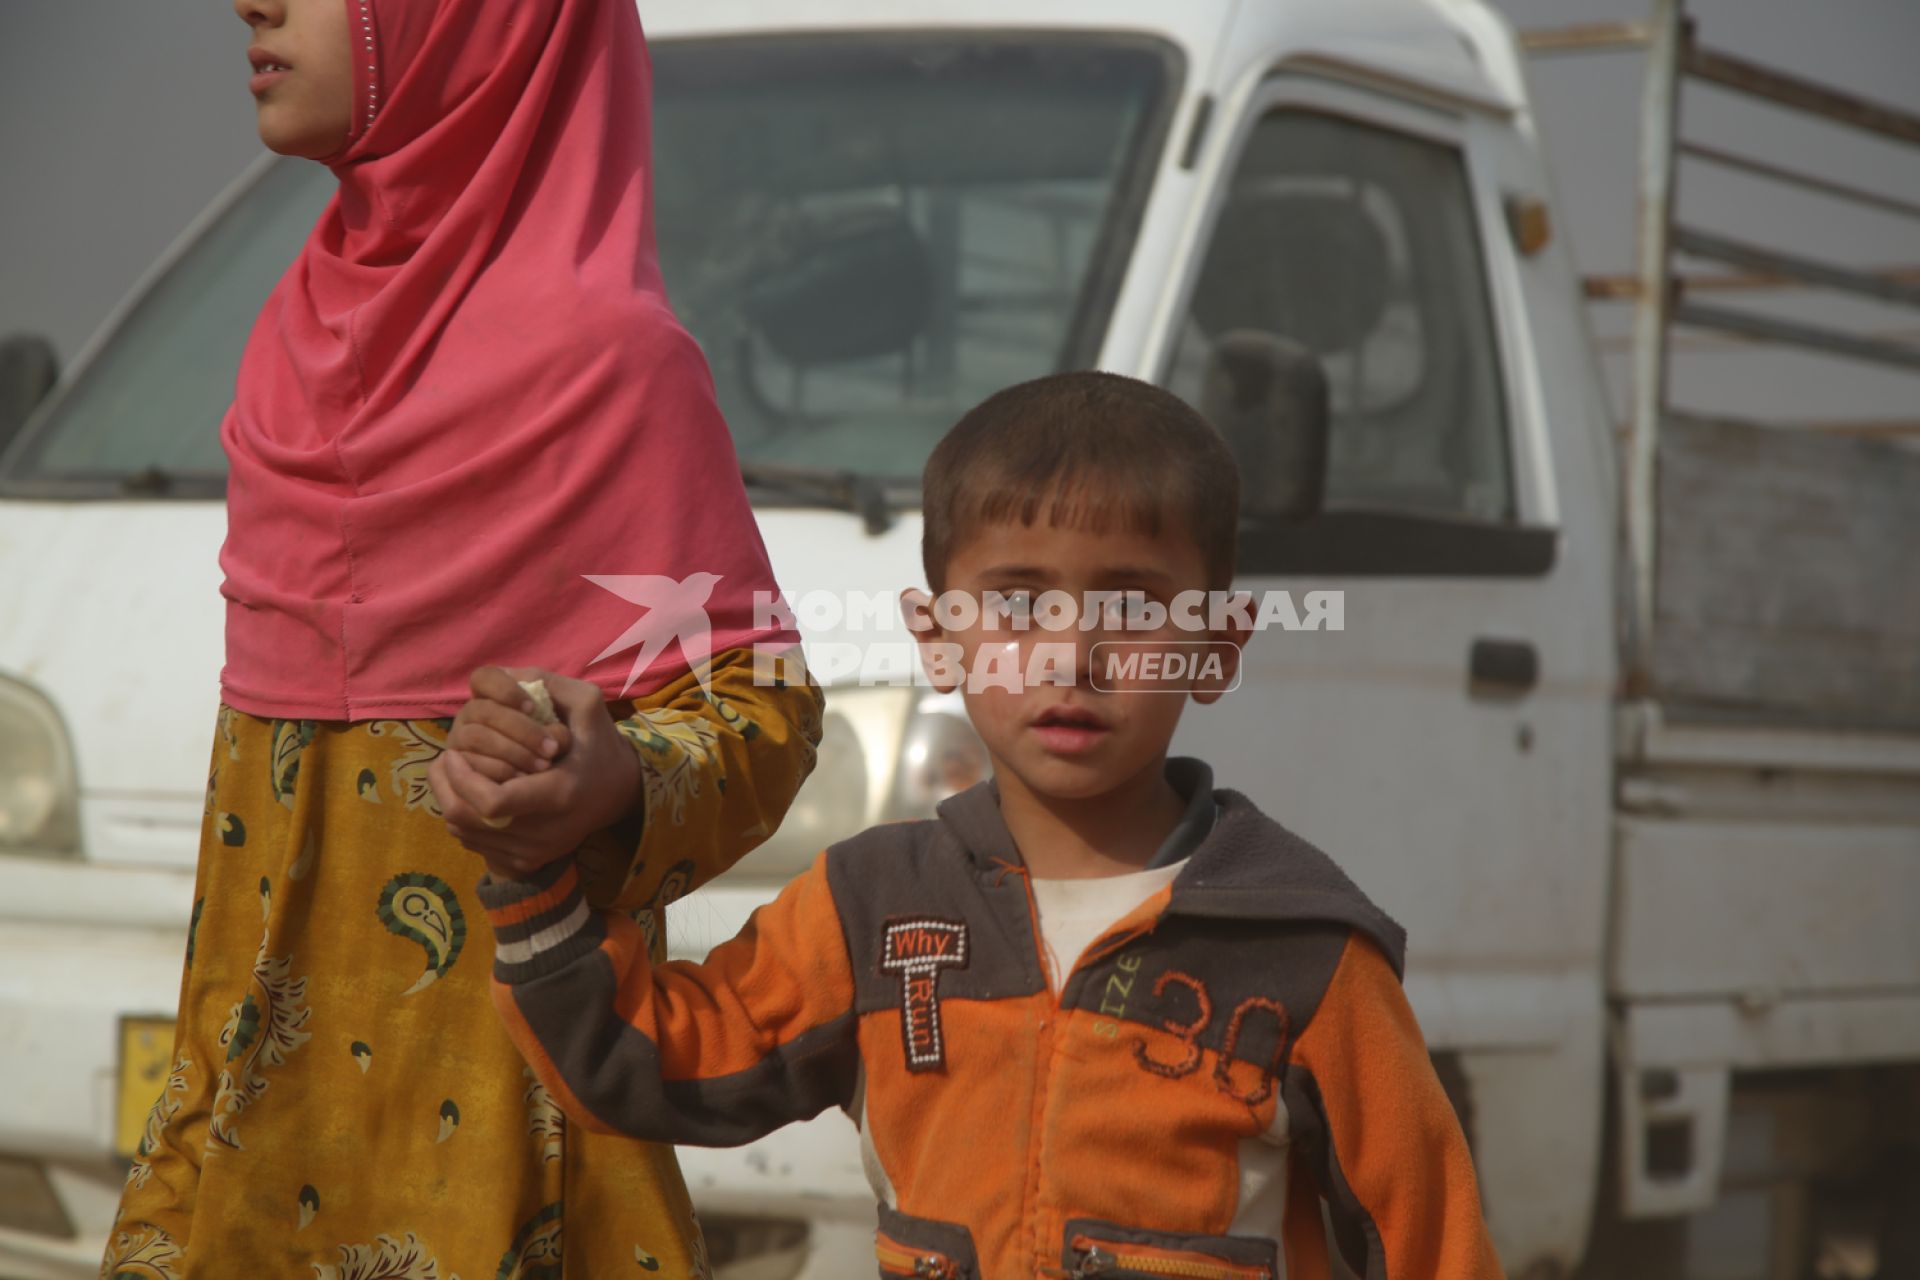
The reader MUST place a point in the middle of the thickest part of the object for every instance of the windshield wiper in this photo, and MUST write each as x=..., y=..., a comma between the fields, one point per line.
x=152, y=481
x=850, y=491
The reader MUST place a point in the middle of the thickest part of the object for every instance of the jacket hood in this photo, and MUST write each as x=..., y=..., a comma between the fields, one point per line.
x=1248, y=867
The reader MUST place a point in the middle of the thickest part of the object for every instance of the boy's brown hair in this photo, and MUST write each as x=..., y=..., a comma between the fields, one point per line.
x=1088, y=450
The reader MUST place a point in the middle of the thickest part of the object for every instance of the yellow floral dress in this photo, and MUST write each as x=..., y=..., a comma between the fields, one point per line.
x=343, y=1102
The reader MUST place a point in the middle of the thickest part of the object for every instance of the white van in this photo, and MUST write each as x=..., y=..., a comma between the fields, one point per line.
x=1660, y=893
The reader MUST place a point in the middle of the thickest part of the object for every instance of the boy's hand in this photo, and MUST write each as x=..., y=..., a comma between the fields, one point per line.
x=592, y=783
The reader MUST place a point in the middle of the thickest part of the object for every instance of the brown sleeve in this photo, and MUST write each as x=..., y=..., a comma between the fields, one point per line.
x=761, y=1034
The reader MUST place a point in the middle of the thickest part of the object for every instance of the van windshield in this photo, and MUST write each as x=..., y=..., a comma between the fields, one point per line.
x=867, y=235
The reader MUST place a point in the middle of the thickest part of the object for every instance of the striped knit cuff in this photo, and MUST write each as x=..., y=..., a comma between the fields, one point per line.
x=541, y=924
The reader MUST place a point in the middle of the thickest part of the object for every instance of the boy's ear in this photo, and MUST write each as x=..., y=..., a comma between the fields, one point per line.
x=1227, y=641
x=916, y=608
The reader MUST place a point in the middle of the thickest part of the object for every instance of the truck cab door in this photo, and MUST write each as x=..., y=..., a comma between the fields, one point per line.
x=1448, y=745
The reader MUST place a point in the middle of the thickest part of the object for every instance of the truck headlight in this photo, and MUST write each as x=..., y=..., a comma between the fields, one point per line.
x=837, y=798
x=39, y=802
x=940, y=756
x=886, y=753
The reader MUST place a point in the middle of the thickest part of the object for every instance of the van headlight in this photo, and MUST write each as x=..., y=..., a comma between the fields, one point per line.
x=886, y=753
x=940, y=755
x=39, y=801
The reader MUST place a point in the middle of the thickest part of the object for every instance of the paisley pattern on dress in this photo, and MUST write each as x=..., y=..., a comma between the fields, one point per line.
x=144, y=1252
x=224, y=734
x=385, y=1259
x=546, y=1122
x=535, y=1251
x=266, y=1025
x=224, y=727
x=423, y=741
x=680, y=878
x=731, y=718
x=193, y=927
x=321, y=961
x=309, y=850
x=702, y=1267
x=165, y=1107
x=422, y=908
x=290, y=739
x=678, y=751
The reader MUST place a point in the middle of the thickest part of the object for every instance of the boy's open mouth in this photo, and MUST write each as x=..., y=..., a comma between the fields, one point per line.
x=1068, y=730
x=1068, y=718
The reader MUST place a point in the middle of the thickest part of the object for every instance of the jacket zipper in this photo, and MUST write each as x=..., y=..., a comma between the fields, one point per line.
x=1125, y=1262
x=898, y=1260
x=1048, y=1044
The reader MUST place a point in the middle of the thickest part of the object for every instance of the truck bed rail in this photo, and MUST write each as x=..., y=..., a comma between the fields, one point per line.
x=1771, y=565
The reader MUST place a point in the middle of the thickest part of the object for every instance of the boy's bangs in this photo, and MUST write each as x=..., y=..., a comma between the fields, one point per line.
x=1089, y=504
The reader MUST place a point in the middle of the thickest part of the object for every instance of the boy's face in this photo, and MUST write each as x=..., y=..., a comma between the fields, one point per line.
x=301, y=60
x=1058, y=735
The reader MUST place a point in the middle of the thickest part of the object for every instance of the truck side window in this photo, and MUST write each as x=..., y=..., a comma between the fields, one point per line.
x=1360, y=243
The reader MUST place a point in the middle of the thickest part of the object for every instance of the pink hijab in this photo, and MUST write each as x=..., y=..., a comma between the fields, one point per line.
x=468, y=392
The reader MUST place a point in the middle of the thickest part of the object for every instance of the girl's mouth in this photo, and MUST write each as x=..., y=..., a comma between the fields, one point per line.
x=266, y=72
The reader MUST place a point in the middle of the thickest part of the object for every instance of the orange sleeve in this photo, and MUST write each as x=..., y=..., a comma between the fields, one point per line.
x=713, y=1054
x=1386, y=1145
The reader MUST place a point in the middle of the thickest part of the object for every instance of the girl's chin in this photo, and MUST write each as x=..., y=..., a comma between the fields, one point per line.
x=299, y=139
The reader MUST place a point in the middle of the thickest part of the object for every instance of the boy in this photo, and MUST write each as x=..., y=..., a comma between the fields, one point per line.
x=1096, y=1018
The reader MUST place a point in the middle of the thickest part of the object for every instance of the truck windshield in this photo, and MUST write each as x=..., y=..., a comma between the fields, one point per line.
x=866, y=235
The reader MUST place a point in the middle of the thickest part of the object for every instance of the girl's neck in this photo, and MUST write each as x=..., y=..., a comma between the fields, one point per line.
x=1082, y=838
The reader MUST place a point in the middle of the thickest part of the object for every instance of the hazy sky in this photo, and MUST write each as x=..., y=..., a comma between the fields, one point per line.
x=121, y=119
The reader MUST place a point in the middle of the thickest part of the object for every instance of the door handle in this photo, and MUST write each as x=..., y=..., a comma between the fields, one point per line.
x=1502, y=667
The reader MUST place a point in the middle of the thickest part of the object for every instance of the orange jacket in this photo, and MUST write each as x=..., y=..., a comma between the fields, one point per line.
x=1099, y=1132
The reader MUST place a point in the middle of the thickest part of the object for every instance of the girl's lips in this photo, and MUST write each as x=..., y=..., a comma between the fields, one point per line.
x=265, y=80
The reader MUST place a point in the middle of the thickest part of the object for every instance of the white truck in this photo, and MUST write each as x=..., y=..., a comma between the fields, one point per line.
x=1624, y=727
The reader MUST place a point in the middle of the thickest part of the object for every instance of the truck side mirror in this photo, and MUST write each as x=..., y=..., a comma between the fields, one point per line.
x=28, y=370
x=1268, y=396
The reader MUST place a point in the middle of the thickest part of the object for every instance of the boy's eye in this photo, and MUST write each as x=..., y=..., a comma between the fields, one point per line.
x=1011, y=606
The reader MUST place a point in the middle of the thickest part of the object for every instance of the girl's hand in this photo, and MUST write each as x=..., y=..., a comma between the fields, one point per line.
x=496, y=731
x=593, y=783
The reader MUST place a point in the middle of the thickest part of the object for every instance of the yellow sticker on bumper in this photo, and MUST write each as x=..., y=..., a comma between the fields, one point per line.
x=146, y=1047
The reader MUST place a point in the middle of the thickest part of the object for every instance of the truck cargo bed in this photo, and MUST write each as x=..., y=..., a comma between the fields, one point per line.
x=1787, y=577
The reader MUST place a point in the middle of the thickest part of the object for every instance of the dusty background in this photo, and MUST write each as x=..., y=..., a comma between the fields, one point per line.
x=121, y=119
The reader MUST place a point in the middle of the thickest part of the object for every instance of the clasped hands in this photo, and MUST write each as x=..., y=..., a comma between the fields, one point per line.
x=520, y=793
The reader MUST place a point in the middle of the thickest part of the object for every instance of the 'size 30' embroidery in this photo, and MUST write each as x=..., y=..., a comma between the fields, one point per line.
x=1191, y=1030
x=918, y=949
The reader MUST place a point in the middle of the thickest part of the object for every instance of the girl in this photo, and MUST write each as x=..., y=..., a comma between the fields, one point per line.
x=465, y=396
